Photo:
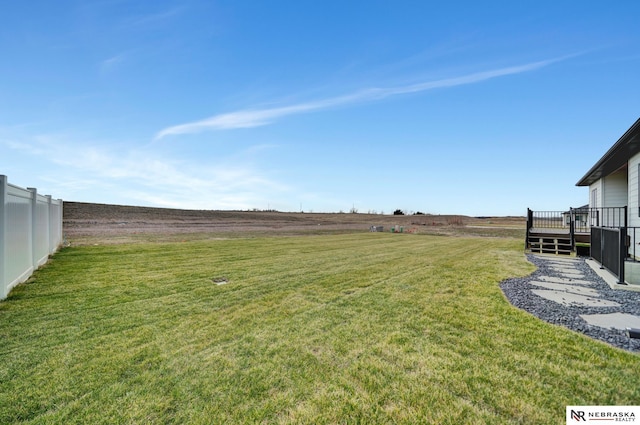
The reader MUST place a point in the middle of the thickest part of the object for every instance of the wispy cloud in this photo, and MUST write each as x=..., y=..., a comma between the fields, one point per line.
x=259, y=117
x=112, y=63
x=153, y=18
x=143, y=176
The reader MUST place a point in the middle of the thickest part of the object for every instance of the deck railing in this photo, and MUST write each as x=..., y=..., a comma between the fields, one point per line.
x=633, y=243
x=581, y=219
x=575, y=221
x=614, y=248
x=546, y=220
x=608, y=217
x=612, y=242
x=609, y=248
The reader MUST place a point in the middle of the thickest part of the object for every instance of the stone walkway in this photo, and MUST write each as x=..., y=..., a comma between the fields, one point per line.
x=571, y=290
x=578, y=295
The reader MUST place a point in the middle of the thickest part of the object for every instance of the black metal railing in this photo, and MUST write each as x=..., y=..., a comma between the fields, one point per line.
x=609, y=248
x=614, y=247
x=546, y=220
x=596, y=245
x=581, y=219
x=633, y=243
x=606, y=246
x=608, y=217
x=612, y=242
x=550, y=222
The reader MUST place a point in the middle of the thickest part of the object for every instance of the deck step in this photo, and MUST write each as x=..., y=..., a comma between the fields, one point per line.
x=550, y=244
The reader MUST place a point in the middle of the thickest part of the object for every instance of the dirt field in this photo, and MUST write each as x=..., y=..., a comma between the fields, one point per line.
x=86, y=223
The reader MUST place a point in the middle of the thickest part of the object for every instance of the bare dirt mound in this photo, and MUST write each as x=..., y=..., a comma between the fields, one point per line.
x=92, y=223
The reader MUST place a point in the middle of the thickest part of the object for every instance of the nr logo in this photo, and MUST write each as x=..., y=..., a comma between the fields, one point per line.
x=577, y=415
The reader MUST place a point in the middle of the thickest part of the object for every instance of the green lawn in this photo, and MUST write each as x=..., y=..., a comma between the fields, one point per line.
x=360, y=328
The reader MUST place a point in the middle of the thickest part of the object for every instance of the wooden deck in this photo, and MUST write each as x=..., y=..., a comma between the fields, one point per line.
x=558, y=241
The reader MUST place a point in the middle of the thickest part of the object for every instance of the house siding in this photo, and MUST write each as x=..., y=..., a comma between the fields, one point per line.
x=610, y=191
x=619, y=188
x=597, y=187
x=634, y=202
x=615, y=190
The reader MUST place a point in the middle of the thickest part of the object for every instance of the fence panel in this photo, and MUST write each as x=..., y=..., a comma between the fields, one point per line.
x=18, y=261
x=30, y=230
x=611, y=254
x=55, y=224
x=608, y=248
x=596, y=244
x=40, y=229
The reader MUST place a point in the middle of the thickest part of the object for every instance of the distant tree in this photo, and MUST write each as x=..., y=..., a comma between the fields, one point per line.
x=419, y=213
x=398, y=212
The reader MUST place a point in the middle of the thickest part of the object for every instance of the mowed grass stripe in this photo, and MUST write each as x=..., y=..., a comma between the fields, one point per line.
x=359, y=328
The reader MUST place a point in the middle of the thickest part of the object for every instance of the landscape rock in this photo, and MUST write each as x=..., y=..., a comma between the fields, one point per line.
x=520, y=293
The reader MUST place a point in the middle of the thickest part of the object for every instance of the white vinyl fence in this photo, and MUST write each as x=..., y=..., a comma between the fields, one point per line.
x=30, y=230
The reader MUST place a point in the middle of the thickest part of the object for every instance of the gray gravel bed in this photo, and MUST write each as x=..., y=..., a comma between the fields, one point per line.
x=518, y=292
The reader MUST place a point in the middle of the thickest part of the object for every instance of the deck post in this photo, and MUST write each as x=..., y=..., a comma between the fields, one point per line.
x=601, y=248
x=622, y=256
x=529, y=225
x=572, y=229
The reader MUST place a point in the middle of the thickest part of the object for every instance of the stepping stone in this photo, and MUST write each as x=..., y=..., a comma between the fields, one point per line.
x=580, y=290
x=565, y=280
x=569, y=299
x=556, y=259
x=563, y=262
x=565, y=269
x=572, y=275
x=562, y=266
x=613, y=320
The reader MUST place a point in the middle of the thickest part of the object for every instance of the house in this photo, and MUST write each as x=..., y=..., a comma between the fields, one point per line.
x=613, y=180
x=580, y=216
x=614, y=202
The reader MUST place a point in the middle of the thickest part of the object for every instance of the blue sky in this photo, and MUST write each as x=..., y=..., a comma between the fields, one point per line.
x=476, y=108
